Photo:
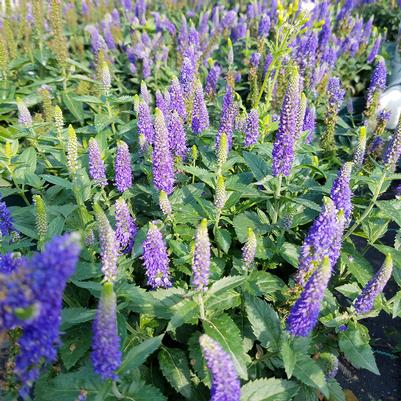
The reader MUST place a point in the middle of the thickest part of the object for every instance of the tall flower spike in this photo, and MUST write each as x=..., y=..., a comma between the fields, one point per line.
x=176, y=135
x=146, y=96
x=375, y=49
x=301, y=115
x=211, y=80
x=187, y=78
x=359, y=155
x=6, y=221
x=106, y=355
x=177, y=98
x=305, y=312
x=200, y=116
x=283, y=148
x=123, y=171
x=59, y=122
x=340, y=191
x=164, y=204
x=309, y=123
x=225, y=381
x=106, y=78
x=249, y=249
x=364, y=301
x=41, y=217
x=126, y=228
x=335, y=98
x=145, y=123
x=201, y=259
x=221, y=196
x=376, y=87
x=155, y=259
x=48, y=273
x=97, y=171
x=163, y=169
x=323, y=239
x=252, y=128
x=222, y=153
x=393, y=151
x=72, y=151
x=108, y=245
x=24, y=116
x=228, y=113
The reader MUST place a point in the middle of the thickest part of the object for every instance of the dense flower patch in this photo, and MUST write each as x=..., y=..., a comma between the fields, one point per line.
x=188, y=192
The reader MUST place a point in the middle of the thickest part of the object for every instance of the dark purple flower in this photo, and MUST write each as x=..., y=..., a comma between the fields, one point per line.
x=252, y=128
x=264, y=26
x=283, y=148
x=254, y=60
x=162, y=104
x=187, y=77
x=201, y=259
x=176, y=135
x=106, y=355
x=228, y=113
x=123, y=171
x=163, y=168
x=97, y=171
x=6, y=221
x=323, y=239
x=126, y=228
x=377, y=85
x=305, y=312
x=155, y=259
x=200, y=116
x=268, y=61
x=48, y=273
x=364, y=301
x=309, y=123
x=375, y=49
x=225, y=381
x=341, y=192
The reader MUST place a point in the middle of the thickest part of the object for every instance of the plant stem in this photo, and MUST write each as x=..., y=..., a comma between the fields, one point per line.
x=201, y=306
x=369, y=208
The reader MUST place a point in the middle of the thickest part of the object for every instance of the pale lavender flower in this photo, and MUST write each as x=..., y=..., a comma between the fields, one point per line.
x=187, y=77
x=309, y=123
x=364, y=301
x=97, y=171
x=252, y=128
x=176, y=135
x=163, y=168
x=201, y=258
x=341, y=192
x=375, y=50
x=145, y=123
x=228, y=113
x=123, y=171
x=126, y=228
x=212, y=79
x=264, y=26
x=249, y=249
x=177, y=98
x=155, y=259
x=24, y=116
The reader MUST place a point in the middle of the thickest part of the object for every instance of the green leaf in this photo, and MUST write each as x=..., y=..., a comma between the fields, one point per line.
x=73, y=106
x=226, y=333
x=357, y=264
x=247, y=220
x=336, y=392
x=62, y=182
x=184, y=312
x=224, y=239
x=268, y=390
x=265, y=323
x=264, y=283
x=175, y=368
x=289, y=252
x=74, y=347
x=355, y=346
x=257, y=165
x=72, y=316
x=146, y=392
x=225, y=284
x=309, y=372
x=137, y=355
x=392, y=209
x=289, y=356
x=25, y=164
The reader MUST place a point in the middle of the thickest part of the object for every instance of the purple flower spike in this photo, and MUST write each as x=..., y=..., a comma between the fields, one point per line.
x=305, y=312
x=375, y=49
x=225, y=381
x=177, y=98
x=200, y=116
x=108, y=245
x=155, y=259
x=177, y=137
x=6, y=221
x=201, y=259
x=187, y=77
x=249, y=249
x=228, y=114
x=341, y=193
x=106, y=355
x=323, y=239
x=254, y=60
x=123, y=171
x=283, y=148
x=145, y=124
x=126, y=228
x=24, y=116
x=97, y=171
x=162, y=104
x=212, y=79
x=163, y=168
x=252, y=128
x=309, y=123
x=364, y=302
x=393, y=151
x=264, y=26
x=377, y=85
x=47, y=274
x=335, y=93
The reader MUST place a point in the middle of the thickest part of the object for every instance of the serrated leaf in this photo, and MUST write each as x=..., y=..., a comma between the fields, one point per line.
x=137, y=355
x=223, y=238
x=73, y=316
x=62, y=182
x=225, y=284
x=289, y=357
x=226, y=333
x=268, y=390
x=257, y=165
x=355, y=346
x=247, y=220
x=73, y=106
x=146, y=392
x=336, y=392
x=392, y=209
x=183, y=312
x=175, y=368
x=265, y=323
